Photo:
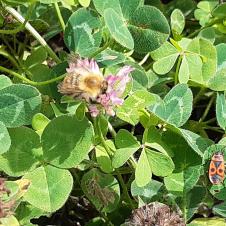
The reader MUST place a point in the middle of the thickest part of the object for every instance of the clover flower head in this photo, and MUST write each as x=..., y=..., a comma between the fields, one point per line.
x=84, y=66
x=113, y=96
x=86, y=81
x=94, y=111
x=116, y=87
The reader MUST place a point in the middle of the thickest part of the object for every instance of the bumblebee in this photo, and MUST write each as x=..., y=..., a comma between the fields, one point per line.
x=83, y=81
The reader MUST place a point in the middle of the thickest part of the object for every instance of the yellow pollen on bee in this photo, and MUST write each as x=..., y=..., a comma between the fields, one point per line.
x=92, y=84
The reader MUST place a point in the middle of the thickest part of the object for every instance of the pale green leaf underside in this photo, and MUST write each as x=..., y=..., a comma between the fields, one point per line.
x=122, y=155
x=221, y=110
x=84, y=3
x=103, y=159
x=177, y=21
x=127, y=145
x=165, y=58
x=161, y=164
x=49, y=1
x=175, y=183
x=168, y=63
x=217, y=82
x=184, y=72
x=143, y=171
x=208, y=54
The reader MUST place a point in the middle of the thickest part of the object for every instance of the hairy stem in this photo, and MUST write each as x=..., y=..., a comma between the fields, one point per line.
x=119, y=176
x=15, y=74
x=22, y=25
x=35, y=34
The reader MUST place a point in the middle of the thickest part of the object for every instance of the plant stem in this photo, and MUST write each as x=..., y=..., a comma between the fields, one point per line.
x=111, y=130
x=144, y=59
x=124, y=188
x=199, y=94
x=22, y=26
x=125, y=170
x=35, y=34
x=75, y=175
x=18, y=60
x=210, y=120
x=193, y=34
x=3, y=69
x=207, y=109
x=59, y=15
x=132, y=162
x=9, y=57
x=214, y=21
x=119, y=176
x=8, y=45
x=184, y=205
x=101, y=48
x=216, y=129
x=149, y=66
x=109, y=223
x=177, y=69
x=14, y=31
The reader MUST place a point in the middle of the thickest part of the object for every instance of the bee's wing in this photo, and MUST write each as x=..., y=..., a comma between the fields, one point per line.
x=70, y=86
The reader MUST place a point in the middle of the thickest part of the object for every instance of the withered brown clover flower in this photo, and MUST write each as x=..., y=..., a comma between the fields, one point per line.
x=104, y=195
x=155, y=214
x=3, y=188
x=5, y=207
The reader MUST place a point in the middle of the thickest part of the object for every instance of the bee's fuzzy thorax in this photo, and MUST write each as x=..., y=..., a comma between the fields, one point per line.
x=92, y=84
x=83, y=81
